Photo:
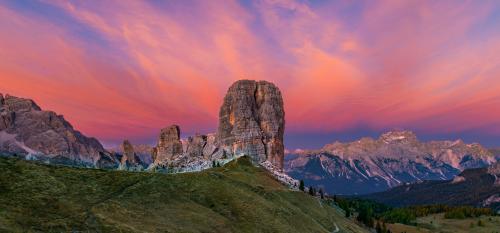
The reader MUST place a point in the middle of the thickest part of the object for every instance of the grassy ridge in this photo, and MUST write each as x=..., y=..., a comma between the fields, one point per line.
x=235, y=198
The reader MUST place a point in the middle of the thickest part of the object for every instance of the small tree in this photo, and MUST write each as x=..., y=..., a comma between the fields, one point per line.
x=218, y=164
x=480, y=223
x=311, y=191
x=348, y=213
x=321, y=193
x=378, y=228
x=301, y=185
x=384, y=227
x=213, y=163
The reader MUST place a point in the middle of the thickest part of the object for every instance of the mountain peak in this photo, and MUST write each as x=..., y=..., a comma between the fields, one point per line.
x=13, y=103
x=398, y=135
x=32, y=132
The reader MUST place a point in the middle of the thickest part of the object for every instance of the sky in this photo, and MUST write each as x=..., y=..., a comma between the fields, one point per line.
x=347, y=69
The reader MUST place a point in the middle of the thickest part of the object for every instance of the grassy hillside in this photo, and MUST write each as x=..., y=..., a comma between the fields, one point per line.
x=235, y=198
x=437, y=223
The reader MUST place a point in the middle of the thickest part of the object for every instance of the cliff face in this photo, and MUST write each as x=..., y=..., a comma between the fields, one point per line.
x=26, y=130
x=251, y=122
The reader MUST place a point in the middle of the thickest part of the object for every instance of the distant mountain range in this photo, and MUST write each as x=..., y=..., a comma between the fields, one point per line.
x=374, y=165
x=476, y=187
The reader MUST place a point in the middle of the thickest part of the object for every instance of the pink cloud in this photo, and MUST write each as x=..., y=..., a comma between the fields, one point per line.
x=392, y=64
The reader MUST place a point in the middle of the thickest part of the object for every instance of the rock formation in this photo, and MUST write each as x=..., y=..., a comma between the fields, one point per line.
x=26, y=130
x=128, y=153
x=251, y=122
x=169, y=145
x=194, y=145
x=143, y=152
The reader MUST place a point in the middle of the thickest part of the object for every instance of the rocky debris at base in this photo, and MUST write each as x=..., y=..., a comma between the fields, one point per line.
x=280, y=175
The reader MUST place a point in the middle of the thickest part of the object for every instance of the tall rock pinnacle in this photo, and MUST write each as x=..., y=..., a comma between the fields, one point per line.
x=128, y=153
x=252, y=121
x=169, y=144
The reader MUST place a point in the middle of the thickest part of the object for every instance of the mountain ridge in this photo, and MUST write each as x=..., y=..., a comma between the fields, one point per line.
x=374, y=165
x=29, y=132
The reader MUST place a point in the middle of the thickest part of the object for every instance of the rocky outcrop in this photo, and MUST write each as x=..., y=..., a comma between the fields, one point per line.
x=143, y=152
x=128, y=156
x=27, y=131
x=251, y=122
x=494, y=170
x=130, y=159
x=194, y=145
x=173, y=154
x=169, y=145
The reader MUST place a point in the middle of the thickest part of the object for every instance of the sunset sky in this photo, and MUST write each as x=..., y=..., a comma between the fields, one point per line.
x=124, y=69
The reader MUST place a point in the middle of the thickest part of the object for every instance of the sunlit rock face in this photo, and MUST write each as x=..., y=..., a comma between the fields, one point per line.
x=27, y=131
x=252, y=122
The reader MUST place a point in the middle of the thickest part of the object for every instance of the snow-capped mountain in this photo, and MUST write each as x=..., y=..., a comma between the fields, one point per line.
x=373, y=165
